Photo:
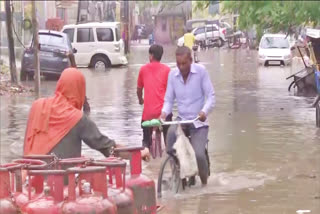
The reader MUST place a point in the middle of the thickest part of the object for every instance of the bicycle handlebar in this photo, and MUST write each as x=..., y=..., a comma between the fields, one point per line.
x=167, y=123
x=160, y=122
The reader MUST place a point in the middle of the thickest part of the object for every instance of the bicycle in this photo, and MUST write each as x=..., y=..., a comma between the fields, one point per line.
x=156, y=147
x=171, y=167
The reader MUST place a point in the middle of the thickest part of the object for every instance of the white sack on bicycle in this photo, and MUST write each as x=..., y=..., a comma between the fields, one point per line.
x=185, y=154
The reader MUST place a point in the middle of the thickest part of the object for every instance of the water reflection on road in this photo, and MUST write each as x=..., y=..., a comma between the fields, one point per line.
x=264, y=147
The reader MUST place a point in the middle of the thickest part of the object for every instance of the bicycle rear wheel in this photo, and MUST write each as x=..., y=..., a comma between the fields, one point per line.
x=169, y=176
x=158, y=143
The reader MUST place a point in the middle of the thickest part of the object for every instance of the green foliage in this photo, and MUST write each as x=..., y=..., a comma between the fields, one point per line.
x=272, y=15
x=146, y=5
x=201, y=5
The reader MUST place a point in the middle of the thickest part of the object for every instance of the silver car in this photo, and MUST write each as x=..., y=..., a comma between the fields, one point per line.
x=55, y=55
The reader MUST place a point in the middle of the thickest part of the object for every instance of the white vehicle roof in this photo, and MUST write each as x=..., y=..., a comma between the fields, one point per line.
x=274, y=35
x=209, y=25
x=313, y=33
x=94, y=24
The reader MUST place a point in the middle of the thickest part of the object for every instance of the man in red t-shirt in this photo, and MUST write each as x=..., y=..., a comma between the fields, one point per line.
x=153, y=78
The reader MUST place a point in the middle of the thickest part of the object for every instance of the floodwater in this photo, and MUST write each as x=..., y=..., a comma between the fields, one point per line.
x=263, y=143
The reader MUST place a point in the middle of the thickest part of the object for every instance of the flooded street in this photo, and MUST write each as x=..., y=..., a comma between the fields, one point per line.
x=264, y=146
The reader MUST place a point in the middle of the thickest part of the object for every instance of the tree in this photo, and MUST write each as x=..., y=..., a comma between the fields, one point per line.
x=275, y=16
x=146, y=5
x=12, y=59
x=201, y=5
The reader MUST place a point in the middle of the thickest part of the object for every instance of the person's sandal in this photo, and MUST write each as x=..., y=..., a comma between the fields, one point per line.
x=192, y=181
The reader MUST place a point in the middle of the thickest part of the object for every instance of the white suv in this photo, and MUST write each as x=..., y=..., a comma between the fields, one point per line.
x=98, y=44
x=212, y=31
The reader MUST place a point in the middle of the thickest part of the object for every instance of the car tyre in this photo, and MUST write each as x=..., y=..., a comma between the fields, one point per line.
x=100, y=62
x=220, y=42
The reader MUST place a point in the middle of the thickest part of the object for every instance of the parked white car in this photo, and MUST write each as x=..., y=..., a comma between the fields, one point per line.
x=212, y=31
x=275, y=49
x=98, y=44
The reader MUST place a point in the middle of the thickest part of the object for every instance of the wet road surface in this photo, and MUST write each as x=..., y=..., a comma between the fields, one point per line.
x=263, y=143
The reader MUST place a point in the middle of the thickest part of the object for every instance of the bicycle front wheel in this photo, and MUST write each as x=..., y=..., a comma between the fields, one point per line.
x=169, y=177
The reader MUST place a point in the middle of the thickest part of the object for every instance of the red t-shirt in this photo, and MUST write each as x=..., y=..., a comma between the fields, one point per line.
x=153, y=77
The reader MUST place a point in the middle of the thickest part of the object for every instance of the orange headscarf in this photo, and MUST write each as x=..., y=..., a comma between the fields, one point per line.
x=50, y=119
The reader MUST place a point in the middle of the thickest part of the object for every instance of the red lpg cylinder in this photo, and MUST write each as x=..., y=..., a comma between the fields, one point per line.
x=21, y=194
x=16, y=183
x=6, y=204
x=121, y=196
x=72, y=162
x=68, y=163
x=93, y=192
x=116, y=169
x=143, y=187
x=51, y=199
x=49, y=159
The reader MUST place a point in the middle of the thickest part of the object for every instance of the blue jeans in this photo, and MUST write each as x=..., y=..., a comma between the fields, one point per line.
x=199, y=140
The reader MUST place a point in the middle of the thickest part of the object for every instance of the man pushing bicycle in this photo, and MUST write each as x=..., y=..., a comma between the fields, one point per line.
x=152, y=81
x=189, y=84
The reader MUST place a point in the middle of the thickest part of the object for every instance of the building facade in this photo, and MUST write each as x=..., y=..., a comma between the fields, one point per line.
x=169, y=21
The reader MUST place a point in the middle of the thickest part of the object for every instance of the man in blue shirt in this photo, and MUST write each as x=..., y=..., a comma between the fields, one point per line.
x=190, y=86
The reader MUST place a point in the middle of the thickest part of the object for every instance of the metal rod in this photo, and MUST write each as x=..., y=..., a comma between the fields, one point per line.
x=166, y=123
x=296, y=73
x=12, y=58
x=302, y=57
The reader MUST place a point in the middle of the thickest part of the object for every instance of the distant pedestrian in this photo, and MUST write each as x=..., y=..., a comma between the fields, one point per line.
x=189, y=39
x=151, y=39
x=139, y=34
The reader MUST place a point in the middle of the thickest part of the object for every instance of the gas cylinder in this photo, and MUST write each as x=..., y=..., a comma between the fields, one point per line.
x=6, y=204
x=20, y=193
x=143, y=187
x=93, y=192
x=16, y=183
x=68, y=163
x=51, y=199
x=49, y=159
x=72, y=162
x=121, y=196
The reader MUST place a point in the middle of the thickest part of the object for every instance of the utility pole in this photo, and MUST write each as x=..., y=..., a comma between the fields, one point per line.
x=125, y=21
x=79, y=9
x=36, y=50
x=12, y=59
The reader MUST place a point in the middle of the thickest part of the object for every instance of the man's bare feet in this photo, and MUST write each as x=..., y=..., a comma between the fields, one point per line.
x=145, y=155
